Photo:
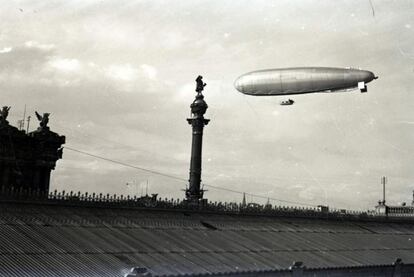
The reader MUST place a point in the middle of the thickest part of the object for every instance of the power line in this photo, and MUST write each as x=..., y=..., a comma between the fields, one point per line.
x=182, y=179
x=261, y=196
x=72, y=129
x=327, y=180
x=125, y=164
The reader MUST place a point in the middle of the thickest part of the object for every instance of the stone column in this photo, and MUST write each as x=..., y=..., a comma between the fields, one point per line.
x=197, y=121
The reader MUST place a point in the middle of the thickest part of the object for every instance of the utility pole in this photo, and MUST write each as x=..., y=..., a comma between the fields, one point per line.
x=24, y=117
x=20, y=123
x=28, y=123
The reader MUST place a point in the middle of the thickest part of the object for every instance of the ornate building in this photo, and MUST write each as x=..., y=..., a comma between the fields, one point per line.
x=26, y=160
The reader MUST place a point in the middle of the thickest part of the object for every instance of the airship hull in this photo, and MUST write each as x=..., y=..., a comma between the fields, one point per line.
x=287, y=81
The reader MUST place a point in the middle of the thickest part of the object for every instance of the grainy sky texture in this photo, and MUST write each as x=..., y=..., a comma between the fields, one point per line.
x=118, y=79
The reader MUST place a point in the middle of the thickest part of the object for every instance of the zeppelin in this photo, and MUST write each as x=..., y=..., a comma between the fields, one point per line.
x=300, y=80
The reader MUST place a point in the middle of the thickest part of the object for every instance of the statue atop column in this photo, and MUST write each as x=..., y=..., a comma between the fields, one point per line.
x=200, y=84
x=194, y=193
x=4, y=113
x=199, y=106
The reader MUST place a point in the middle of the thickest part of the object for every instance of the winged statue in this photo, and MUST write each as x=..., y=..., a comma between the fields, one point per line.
x=4, y=112
x=44, y=119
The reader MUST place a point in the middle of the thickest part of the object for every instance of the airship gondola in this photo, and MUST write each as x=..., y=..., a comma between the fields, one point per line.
x=287, y=102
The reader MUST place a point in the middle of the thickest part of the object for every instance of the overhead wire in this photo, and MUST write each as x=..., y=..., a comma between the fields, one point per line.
x=125, y=164
x=261, y=196
x=156, y=172
x=324, y=179
x=101, y=138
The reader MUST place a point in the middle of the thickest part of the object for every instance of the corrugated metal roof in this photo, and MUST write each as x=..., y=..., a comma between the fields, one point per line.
x=59, y=240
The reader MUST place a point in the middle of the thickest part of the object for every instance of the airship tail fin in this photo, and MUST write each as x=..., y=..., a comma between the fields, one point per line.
x=362, y=87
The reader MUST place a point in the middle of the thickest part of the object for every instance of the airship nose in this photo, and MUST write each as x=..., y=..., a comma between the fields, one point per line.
x=366, y=76
x=238, y=84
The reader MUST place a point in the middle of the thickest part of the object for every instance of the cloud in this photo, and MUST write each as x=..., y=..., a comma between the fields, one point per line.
x=149, y=71
x=23, y=61
x=173, y=40
x=132, y=79
x=77, y=73
x=38, y=64
x=124, y=72
x=5, y=50
x=35, y=44
x=406, y=122
x=183, y=92
x=65, y=65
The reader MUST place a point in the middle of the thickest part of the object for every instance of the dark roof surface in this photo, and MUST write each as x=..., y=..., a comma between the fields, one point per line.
x=63, y=240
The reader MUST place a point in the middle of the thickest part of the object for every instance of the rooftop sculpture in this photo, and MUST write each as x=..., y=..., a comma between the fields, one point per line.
x=44, y=120
x=4, y=113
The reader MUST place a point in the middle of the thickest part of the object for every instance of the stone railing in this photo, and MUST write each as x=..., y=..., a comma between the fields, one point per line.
x=153, y=202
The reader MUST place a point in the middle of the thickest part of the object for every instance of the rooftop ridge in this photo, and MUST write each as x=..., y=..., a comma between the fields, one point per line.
x=36, y=196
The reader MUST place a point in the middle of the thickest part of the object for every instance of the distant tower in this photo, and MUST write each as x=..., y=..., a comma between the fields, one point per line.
x=412, y=202
x=384, y=181
x=197, y=121
x=244, y=200
x=381, y=208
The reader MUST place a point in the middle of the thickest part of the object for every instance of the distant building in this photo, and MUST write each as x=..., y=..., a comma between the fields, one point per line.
x=324, y=209
x=401, y=210
x=381, y=208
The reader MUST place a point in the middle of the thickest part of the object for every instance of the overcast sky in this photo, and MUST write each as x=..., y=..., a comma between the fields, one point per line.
x=118, y=79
